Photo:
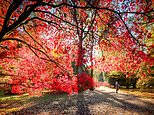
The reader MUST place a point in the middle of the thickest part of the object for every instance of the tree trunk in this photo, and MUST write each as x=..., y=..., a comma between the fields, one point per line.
x=127, y=83
x=91, y=59
x=80, y=57
x=134, y=82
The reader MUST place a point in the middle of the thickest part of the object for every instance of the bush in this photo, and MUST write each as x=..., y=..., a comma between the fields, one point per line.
x=63, y=84
x=85, y=82
x=72, y=85
x=145, y=83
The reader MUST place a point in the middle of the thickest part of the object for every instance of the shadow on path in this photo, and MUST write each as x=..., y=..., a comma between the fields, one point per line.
x=82, y=106
x=86, y=103
x=125, y=101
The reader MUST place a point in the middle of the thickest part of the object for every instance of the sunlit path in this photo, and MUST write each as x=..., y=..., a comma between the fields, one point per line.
x=101, y=101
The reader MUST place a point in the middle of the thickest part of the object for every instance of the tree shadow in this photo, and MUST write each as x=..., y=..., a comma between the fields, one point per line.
x=124, y=101
x=82, y=106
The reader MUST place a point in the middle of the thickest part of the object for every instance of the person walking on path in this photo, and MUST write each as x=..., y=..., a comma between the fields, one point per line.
x=117, y=86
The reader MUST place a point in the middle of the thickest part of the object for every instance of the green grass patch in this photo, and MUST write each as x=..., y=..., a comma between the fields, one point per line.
x=11, y=103
x=47, y=97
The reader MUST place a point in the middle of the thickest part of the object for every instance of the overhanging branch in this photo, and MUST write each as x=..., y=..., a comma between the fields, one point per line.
x=129, y=30
x=47, y=57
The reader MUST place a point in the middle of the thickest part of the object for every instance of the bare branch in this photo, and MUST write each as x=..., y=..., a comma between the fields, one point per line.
x=32, y=37
x=2, y=74
x=129, y=30
x=58, y=18
x=92, y=7
x=11, y=9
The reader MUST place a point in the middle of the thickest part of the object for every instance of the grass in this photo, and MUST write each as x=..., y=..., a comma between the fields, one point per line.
x=144, y=93
x=10, y=103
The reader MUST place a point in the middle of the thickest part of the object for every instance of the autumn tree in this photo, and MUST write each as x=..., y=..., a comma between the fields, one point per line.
x=57, y=31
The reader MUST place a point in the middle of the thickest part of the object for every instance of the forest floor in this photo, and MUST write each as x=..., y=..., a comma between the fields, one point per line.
x=101, y=101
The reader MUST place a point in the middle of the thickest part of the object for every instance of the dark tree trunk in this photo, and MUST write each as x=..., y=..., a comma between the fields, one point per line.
x=127, y=83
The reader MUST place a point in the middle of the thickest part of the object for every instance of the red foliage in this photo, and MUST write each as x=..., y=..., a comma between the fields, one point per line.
x=71, y=84
x=85, y=81
x=64, y=84
x=57, y=84
x=61, y=43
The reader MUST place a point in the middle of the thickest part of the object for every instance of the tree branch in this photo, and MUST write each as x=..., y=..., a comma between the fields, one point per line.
x=32, y=37
x=92, y=7
x=129, y=30
x=31, y=47
x=58, y=18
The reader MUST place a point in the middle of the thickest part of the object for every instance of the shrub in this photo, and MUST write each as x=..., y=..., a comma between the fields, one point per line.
x=85, y=82
x=62, y=84
x=146, y=82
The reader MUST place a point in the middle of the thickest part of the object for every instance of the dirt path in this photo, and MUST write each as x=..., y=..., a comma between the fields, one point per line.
x=102, y=101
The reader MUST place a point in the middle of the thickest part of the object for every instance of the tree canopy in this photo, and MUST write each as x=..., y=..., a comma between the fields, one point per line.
x=51, y=44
